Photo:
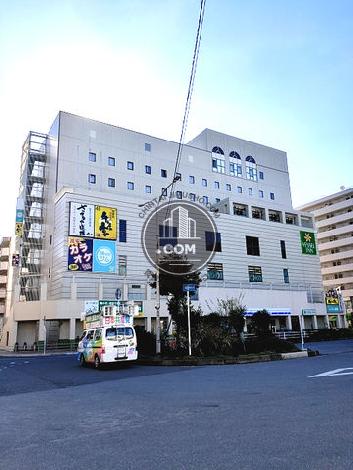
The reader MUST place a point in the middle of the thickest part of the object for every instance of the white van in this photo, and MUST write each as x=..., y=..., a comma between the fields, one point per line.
x=108, y=337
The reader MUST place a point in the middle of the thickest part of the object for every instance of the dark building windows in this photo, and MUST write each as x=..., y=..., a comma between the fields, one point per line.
x=92, y=157
x=252, y=246
x=283, y=249
x=213, y=241
x=111, y=182
x=148, y=169
x=111, y=161
x=130, y=165
x=122, y=231
x=163, y=173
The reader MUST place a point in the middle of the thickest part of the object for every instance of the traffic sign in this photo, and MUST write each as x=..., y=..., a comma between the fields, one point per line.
x=189, y=287
x=118, y=294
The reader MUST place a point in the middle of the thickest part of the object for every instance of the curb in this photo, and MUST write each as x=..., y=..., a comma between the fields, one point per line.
x=222, y=360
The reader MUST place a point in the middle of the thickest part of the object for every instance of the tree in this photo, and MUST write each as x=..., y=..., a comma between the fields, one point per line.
x=171, y=284
x=261, y=321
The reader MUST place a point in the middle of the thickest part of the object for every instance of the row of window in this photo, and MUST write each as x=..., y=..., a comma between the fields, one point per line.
x=217, y=165
x=215, y=273
x=92, y=179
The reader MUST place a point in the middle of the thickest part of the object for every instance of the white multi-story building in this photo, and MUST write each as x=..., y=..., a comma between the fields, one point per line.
x=266, y=250
x=4, y=269
x=334, y=223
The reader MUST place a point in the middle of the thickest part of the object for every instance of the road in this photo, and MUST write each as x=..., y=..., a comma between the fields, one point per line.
x=56, y=415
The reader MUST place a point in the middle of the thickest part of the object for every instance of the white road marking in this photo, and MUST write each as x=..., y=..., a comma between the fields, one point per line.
x=334, y=373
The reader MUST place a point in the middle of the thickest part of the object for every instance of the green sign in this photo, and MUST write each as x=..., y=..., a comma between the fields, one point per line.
x=103, y=303
x=308, y=243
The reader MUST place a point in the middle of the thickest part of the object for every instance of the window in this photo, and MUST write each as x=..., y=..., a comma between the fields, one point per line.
x=168, y=235
x=274, y=216
x=261, y=175
x=291, y=219
x=228, y=187
x=111, y=161
x=235, y=164
x=218, y=165
x=215, y=271
x=122, y=265
x=92, y=157
x=261, y=193
x=213, y=241
x=92, y=178
x=234, y=155
x=283, y=249
x=122, y=231
x=179, y=195
x=148, y=170
x=130, y=185
x=272, y=196
x=148, y=189
x=251, y=170
x=130, y=165
x=98, y=334
x=192, y=196
x=250, y=191
x=285, y=276
x=205, y=199
x=192, y=179
x=147, y=147
x=255, y=273
x=252, y=246
x=178, y=176
x=111, y=182
x=239, y=189
x=258, y=213
x=163, y=173
x=240, y=209
x=204, y=182
x=217, y=150
x=216, y=184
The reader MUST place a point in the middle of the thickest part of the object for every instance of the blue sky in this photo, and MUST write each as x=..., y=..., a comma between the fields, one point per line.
x=274, y=72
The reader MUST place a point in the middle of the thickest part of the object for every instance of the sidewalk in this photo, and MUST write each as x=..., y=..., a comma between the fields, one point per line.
x=5, y=353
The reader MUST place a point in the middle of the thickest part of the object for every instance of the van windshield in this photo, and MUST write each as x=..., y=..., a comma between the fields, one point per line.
x=113, y=333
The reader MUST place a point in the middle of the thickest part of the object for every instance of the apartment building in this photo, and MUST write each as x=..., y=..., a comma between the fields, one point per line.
x=334, y=223
x=4, y=270
x=84, y=188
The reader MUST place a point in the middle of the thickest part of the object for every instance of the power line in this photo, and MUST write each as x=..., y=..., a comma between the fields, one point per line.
x=189, y=96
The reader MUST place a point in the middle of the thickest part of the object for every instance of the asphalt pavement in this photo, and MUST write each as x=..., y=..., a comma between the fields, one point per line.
x=276, y=415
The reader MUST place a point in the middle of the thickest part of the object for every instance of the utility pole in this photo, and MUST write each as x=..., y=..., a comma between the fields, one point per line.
x=157, y=307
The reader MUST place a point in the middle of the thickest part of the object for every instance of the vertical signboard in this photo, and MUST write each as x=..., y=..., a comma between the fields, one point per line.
x=105, y=223
x=104, y=258
x=80, y=254
x=308, y=243
x=332, y=302
x=81, y=219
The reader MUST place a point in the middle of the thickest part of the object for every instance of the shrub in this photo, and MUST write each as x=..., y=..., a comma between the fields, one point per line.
x=270, y=344
x=146, y=342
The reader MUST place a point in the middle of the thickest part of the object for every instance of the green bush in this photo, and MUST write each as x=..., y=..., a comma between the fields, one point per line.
x=146, y=342
x=270, y=344
x=324, y=335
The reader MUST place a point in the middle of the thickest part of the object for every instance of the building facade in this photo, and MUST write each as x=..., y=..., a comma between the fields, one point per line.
x=5, y=282
x=84, y=189
x=333, y=216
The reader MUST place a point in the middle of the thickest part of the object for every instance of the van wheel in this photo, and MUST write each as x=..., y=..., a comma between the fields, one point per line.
x=82, y=360
x=97, y=362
